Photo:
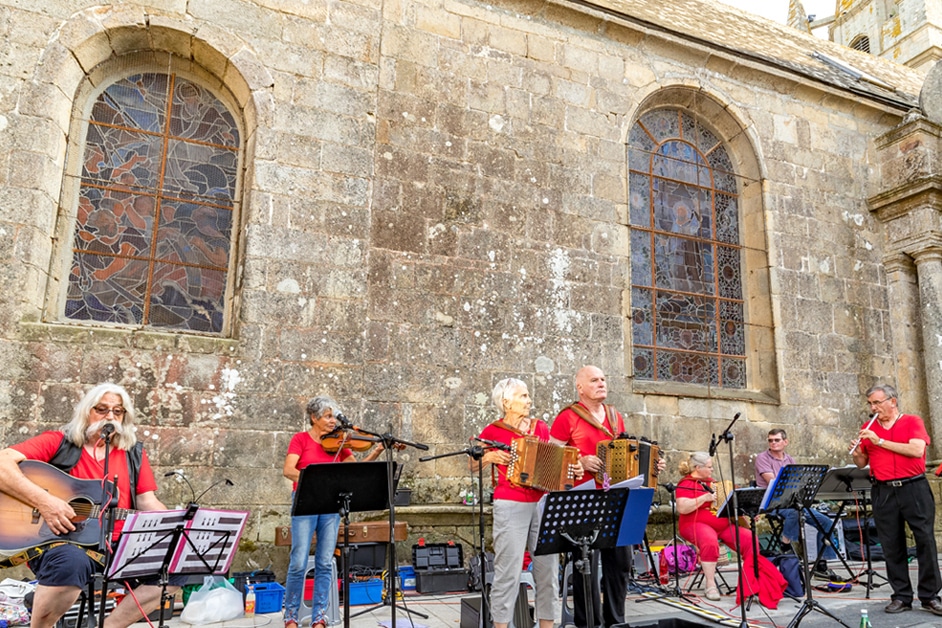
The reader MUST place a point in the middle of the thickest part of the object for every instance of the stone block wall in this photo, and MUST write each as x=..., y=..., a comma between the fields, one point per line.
x=434, y=197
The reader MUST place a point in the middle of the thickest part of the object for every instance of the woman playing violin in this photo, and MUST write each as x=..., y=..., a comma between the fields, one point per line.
x=699, y=524
x=307, y=448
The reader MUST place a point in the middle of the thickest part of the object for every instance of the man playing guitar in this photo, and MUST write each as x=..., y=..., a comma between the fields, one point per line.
x=62, y=566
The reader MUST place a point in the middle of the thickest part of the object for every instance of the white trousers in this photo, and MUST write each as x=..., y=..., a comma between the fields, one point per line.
x=516, y=526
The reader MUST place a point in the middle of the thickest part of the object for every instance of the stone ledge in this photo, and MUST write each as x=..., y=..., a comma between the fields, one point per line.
x=133, y=338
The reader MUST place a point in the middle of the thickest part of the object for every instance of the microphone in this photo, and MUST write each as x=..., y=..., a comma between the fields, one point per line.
x=180, y=474
x=212, y=486
x=107, y=431
x=493, y=443
x=344, y=421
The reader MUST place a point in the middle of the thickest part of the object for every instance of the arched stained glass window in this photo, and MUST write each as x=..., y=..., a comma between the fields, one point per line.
x=153, y=230
x=688, y=321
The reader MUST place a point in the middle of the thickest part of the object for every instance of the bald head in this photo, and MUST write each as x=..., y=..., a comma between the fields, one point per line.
x=590, y=385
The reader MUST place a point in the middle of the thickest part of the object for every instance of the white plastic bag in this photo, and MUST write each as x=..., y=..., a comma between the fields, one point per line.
x=216, y=600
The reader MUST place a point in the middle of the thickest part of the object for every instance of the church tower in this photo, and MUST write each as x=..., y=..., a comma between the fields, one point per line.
x=906, y=31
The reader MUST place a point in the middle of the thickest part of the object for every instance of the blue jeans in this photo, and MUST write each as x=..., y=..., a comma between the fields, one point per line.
x=302, y=532
x=790, y=528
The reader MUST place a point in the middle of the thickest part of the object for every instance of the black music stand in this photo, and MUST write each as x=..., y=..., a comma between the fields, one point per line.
x=795, y=487
x=194, y=541
x=582, y=520
x=836, y=486
x=329, y=488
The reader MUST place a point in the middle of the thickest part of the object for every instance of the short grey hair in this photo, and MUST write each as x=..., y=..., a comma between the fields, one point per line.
x=318, y=406
x=502, y=388
x=886, y=389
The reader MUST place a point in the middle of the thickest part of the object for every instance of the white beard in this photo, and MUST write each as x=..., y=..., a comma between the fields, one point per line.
x=94, y=429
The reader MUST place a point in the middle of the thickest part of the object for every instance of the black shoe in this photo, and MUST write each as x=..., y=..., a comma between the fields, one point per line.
x=897, y=606
x=934, y=607
x=823, y=573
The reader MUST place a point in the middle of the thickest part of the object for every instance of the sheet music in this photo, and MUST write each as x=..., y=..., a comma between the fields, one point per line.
x=210, y=538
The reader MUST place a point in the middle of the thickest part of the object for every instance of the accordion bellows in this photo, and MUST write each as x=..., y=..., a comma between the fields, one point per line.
x=538, y=464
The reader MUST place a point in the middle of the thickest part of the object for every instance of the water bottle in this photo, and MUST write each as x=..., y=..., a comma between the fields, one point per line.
x=250, y=602
x=663, y=569
x=864, y=619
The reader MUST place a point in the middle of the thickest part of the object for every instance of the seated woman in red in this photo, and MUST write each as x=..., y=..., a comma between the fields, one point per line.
x=699, y=525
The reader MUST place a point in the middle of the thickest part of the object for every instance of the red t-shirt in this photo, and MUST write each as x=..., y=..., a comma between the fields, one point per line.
x=44, y=446
x=575, y=431
x=309, y=451
x=690, y=488
x=505, y=489
x=887, y=465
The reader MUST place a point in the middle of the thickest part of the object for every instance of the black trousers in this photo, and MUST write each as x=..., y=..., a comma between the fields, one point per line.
x=893, y=508
x=615, y=571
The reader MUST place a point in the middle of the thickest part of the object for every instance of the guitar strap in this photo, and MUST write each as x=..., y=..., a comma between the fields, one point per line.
x=34, y=552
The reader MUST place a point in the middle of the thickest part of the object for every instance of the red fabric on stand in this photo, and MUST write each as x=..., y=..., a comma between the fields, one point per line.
x=770, y=586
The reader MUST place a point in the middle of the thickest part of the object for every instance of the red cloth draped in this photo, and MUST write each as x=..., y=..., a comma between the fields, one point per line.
x=771, y=584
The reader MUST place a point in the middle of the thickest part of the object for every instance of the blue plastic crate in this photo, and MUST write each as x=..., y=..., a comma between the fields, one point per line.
x=269, y=597
x=366, y=592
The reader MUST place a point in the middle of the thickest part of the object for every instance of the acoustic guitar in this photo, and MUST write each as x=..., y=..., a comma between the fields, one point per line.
x=21, y=526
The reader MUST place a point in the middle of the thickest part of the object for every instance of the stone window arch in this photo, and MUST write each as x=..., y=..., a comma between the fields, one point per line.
x=861, y=43
x=150, y=206
x=700, y=307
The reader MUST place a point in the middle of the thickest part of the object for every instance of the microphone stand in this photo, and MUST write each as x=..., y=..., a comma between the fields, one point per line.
x=677, y=591
x=392, y=573
x=475, y=452
x=727, y=436
x=108, y=504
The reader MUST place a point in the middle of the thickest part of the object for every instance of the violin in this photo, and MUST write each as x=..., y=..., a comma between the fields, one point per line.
x=354, y=438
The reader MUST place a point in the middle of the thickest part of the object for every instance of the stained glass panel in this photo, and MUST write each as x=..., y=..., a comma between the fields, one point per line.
x=641, y=317
x=121, y=158
x=684, y=332
x=662, y=124
x=676, y=160
x=641, y=258
x=200, y=172
x=730, y=280
x=683, y=264
x=639, y=199
x=194, y=234
x=199, y=116
x=733, y=336
x=727, y=218
x=136, y=102
x=153, y=226
x=734, y=373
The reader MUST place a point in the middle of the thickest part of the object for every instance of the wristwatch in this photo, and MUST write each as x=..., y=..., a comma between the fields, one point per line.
x=880, y=443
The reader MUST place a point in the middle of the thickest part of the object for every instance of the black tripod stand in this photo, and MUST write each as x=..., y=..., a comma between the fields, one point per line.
x=392, y=572
x=476, y=452
x=676, y=591
x=795, y=487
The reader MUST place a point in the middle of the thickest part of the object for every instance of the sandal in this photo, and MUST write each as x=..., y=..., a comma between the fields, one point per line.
x=712, y=594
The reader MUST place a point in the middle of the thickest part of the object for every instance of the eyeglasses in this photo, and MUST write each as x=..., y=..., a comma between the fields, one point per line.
x=876, y=403
x=776, y=440
x=118, y=412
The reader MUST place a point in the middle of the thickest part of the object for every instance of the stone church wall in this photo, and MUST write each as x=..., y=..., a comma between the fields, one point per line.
x=435, y=197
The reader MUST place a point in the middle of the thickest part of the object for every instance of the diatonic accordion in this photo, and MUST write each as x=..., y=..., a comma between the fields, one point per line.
x=541, y=465
x=624, y=458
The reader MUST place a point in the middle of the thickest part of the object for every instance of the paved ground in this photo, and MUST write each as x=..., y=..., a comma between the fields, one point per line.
x=445, y=611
